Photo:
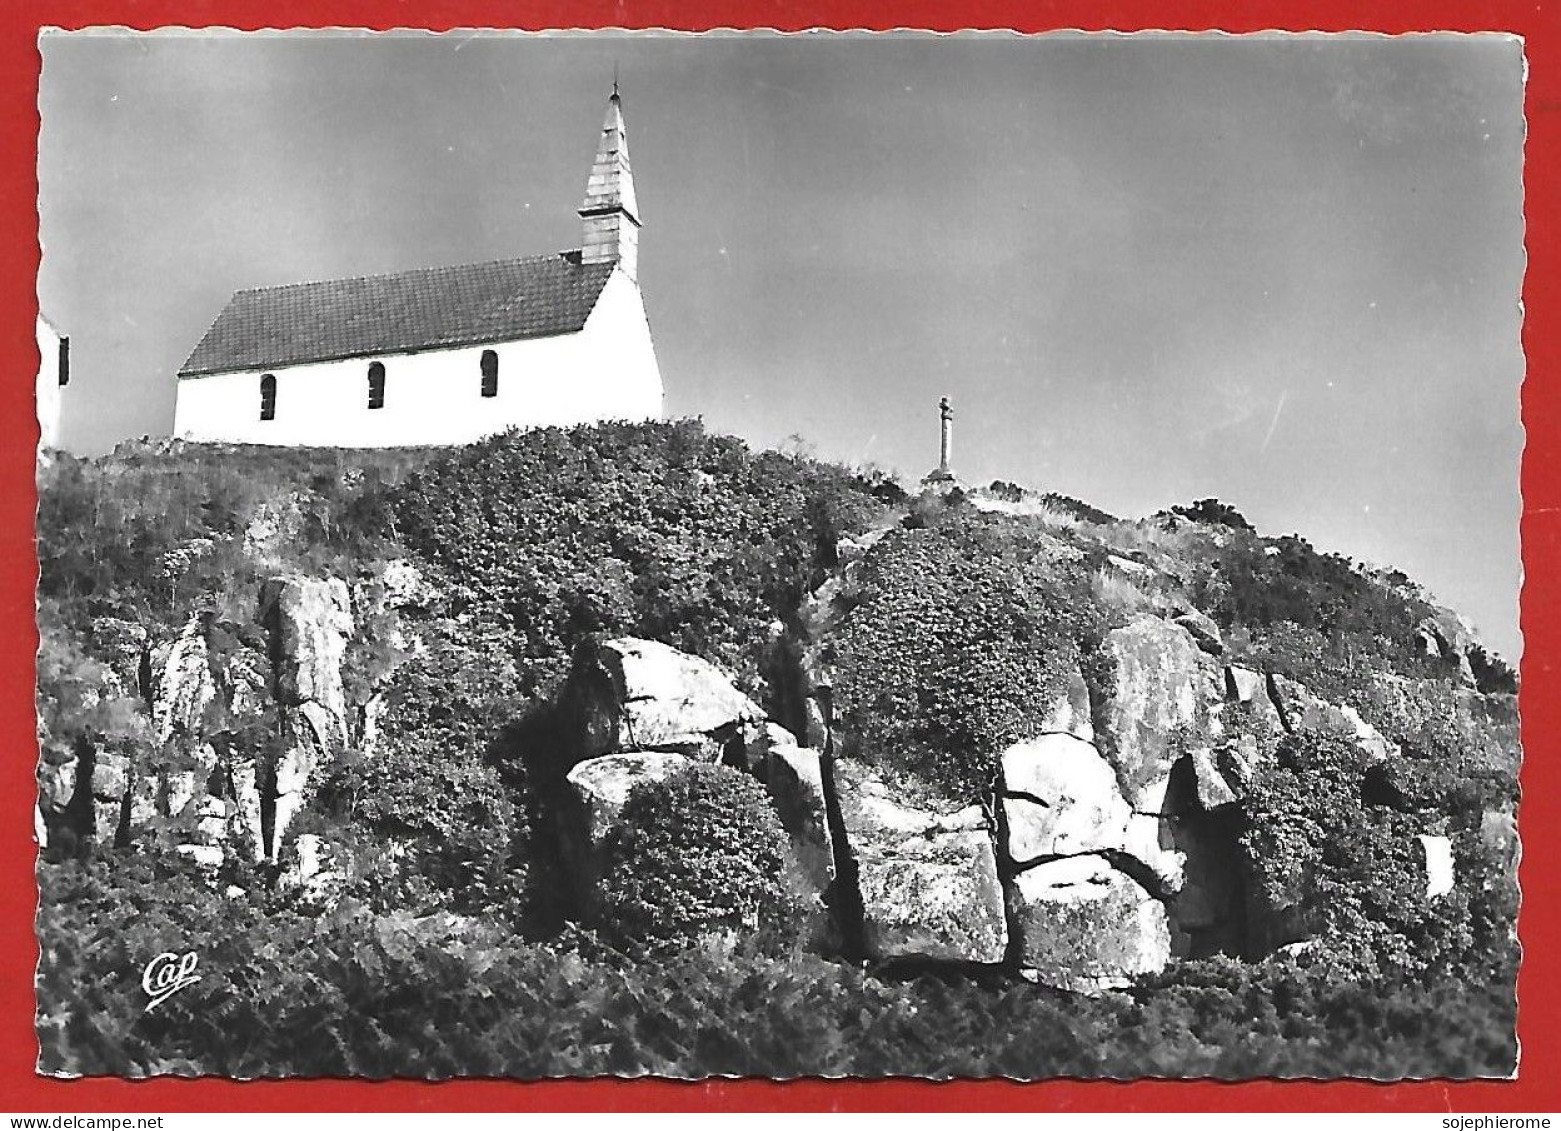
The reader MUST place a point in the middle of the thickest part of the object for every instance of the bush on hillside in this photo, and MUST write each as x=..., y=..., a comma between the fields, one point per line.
x=655, y=530
x=957, y=636
x=445, y=811
x=1492, y=674
x=1214, y=513
x=153, y=532
x=458, y=693
x=439, y=779
x=1259, y=582
x=356, y=994
x=1309, y=1017
x=1079, y=509
x=698, y=852
x=1312, y=616
x=81, y=700
x=1427, y=715
x=959, y=630
x=1322, y=839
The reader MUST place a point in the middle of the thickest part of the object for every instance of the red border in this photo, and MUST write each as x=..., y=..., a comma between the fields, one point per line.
x=1537, y=1089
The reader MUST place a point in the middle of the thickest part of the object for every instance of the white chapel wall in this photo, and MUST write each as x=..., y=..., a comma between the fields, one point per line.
x=607, y=371
x=48, y=385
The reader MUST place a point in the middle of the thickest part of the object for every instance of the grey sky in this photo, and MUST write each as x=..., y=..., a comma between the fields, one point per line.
x=1281, y=271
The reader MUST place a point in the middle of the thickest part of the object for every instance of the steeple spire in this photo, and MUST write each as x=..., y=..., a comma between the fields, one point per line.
x=610, y=212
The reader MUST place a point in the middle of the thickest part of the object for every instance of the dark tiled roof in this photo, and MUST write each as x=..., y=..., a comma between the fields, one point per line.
x=434, y=307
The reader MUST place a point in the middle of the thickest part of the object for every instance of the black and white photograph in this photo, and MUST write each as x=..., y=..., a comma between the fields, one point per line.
x=968, y=556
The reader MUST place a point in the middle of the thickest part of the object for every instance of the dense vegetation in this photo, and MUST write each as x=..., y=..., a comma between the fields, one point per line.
x=1335, y=835
x=661, y=530
x=664, y=531
x=434, y=954
x=355, y=992
x=959, y=634
x=436, y=785
x=155, y=532
x=697, y=853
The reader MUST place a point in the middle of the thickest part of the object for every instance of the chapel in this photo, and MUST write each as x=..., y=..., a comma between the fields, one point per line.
x=440, y=355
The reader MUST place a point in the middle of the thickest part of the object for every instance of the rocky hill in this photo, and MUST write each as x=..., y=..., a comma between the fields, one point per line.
x=643, y=687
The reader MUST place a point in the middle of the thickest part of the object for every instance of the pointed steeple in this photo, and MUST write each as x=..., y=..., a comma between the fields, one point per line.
x=610, y=213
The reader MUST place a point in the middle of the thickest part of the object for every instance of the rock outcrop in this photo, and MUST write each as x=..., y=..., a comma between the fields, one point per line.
x=1300, y=710
x=1448, y=637
x=598, y=790
x=639, y=695
x=57, y=810
x=203, y=689
x=1499, y=835
x=1085, y=925
x=406, y=586
x=1060, y=797
x=1214, y=789
x=1108, y=847
x=309, y=622
x=111, y=779
x=1158, y=708
x=316, y=869
x=1071, y=847
x=1440, y=872
x=198, y=696
x=1153, y=802
x=184, y=688
x=1249, y=689
x=795, y=779
x=644, y=711
x=756, y=741
x=659, y=711
x=57, y=785
x=1205, y=633
x=926, y=878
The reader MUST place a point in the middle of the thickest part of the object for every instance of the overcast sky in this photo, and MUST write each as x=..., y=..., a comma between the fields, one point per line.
x=1281, y=271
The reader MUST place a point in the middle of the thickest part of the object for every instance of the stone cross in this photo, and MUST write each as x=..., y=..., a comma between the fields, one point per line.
x=946, y=440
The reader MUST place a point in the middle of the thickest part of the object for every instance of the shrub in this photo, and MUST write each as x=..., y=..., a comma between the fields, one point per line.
x=1311, y=615
x=1308, y=1017
x=81, y=701
x=457, y=694
x=438, y=780
x=155, y=530
x=99, y=923
x=353, y=993
x=656, y=530
x=701, y=851
x=1078, y=509
x=1321, y=840
x=1492, y=674
x=1214, y=513
x=955, y=640
x=446, y=809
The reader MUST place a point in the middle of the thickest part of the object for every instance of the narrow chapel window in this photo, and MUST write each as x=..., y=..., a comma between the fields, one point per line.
x=490, y=373
x=268, y=397
x=376, y=385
